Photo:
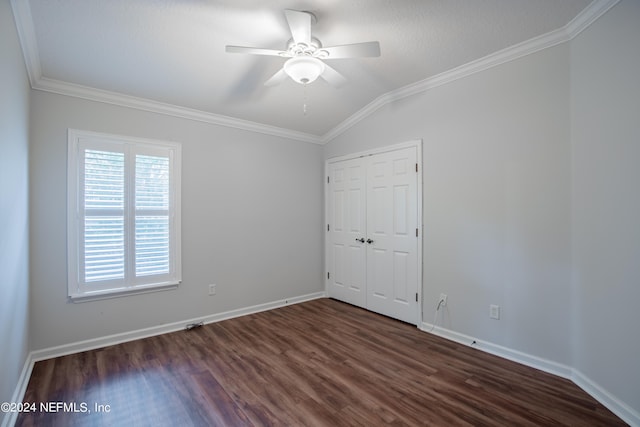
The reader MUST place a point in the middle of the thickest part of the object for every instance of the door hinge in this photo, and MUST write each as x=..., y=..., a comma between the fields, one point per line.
x=416, y=232
x=327, y=180
x=328, y=275
x=416, y=297
x=416, y=167
x=328, y=227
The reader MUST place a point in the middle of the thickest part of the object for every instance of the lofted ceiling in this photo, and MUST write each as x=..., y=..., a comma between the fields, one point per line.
x=169, y=55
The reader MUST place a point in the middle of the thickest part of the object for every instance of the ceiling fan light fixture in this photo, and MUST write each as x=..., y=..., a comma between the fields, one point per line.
x=304, y=69
x=307, y=53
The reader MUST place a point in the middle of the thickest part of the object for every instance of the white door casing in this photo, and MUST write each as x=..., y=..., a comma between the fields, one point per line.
x=376, y=197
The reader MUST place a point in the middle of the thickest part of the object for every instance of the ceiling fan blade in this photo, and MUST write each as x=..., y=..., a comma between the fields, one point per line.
x=333, y=77
x=300, y=26
x=277, y=78
x=356, y=50
x=254, y=51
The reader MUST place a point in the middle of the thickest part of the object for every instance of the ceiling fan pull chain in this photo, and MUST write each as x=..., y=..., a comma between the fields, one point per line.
x=304, y=101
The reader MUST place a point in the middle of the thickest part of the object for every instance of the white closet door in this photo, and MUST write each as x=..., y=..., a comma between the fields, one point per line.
x=392, y=254
x=346, y=254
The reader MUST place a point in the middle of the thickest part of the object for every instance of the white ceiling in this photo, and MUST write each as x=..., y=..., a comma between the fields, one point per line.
x=173, y=51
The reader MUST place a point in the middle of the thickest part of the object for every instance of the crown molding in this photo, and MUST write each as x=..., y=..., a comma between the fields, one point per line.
x=108, y=97
x=27, y=36
x=585, y=18
x=26, y=33
x=588, y=16
x=505, y=55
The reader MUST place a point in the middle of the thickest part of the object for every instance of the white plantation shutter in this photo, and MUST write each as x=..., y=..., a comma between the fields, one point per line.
x=152, y=215
x=104, y=238
x=124, y=215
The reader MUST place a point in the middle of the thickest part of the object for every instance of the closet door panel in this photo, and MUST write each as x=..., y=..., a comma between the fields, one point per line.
x=372, y=246
x=391, y=223
x=347, y=255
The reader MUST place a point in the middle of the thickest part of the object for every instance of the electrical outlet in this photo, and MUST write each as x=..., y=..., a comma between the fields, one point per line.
x=212, y=289
x=442, y=302
x=494, y=311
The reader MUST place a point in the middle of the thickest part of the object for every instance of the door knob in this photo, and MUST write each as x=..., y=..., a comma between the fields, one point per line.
x=369, y=241
x=361, y=240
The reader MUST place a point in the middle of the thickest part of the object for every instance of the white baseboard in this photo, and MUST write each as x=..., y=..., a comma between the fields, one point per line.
x=10, y=418
x=616, y=406
x=92, y=344
x=545, y=365
x=621, y=409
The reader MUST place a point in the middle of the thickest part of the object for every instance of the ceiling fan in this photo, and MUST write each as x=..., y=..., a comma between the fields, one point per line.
x=306, y=53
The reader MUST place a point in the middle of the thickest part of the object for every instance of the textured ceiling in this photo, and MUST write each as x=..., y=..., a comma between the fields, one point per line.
x=173, y=51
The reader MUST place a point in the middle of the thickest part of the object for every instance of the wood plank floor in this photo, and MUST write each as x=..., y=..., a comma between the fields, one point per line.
x=319, y=363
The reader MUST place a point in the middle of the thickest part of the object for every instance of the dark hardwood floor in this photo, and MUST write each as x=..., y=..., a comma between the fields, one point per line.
x=319, y=363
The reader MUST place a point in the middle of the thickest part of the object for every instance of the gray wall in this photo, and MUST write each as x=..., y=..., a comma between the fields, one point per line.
x=496, y=198
x=532, y=201
x=251, y=221
x=605, y=129
x=14, y=207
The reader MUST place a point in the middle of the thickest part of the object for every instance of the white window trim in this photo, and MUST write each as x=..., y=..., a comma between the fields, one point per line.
x=77, y=291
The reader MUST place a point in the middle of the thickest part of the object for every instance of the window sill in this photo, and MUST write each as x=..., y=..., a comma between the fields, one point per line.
x=117, y=293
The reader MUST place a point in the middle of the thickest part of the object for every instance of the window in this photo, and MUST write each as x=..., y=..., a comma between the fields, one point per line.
x=123, y=215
